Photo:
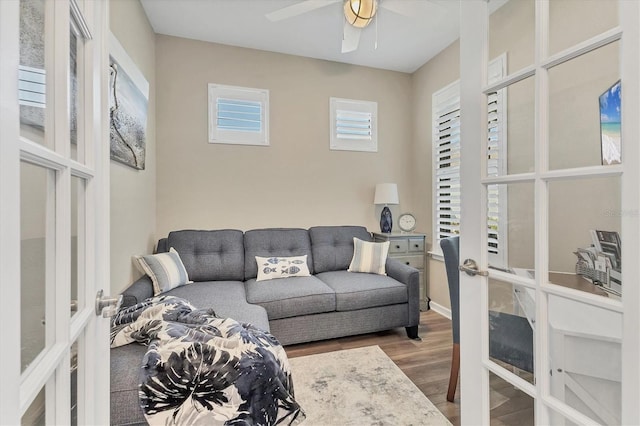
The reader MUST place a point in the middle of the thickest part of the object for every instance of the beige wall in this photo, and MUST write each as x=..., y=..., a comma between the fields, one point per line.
x=442, y=70
x=133, y=192
x=296, y=181
x=574, y=132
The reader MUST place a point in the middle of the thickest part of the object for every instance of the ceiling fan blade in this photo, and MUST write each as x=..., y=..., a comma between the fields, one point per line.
x=412, y=7
x=351, y=38
x=298, y=9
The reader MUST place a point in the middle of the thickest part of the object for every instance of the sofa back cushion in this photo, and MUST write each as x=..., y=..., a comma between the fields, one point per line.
x=210, y=255
x=275, y=242
x=332, y=246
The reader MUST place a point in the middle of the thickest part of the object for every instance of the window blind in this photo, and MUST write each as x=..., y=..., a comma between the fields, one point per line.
x=446, y=158
x=239, y=115
x=32, y=86
x=494, y=169
x=447, y=163
x=353, y=125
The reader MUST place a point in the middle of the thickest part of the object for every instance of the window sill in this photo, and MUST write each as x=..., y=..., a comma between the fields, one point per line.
x=436, y=255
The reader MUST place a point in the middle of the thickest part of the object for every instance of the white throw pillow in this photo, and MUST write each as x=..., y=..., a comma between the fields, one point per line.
x=270, y=268
x=369, y=257
x=166, y=270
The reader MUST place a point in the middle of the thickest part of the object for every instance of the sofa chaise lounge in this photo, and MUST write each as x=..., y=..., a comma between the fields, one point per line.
x=329, y=303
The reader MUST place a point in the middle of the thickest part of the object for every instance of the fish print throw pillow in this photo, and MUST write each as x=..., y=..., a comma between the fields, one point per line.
x=270, y=268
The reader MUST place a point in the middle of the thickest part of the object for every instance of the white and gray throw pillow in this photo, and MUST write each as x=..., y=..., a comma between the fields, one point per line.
x=166, y=270
x=369, y=257
x=274, y=267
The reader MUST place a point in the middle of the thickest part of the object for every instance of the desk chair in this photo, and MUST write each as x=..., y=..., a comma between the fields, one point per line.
x=510, y=336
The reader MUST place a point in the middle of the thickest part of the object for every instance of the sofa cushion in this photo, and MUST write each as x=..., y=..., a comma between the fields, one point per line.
x=166, y=270
x=332, y=246
x=289, y=297
x=274, y=242
x=210, y=255
x=126, y=363
x=355, y=290
x=227, y=298
x=369, y=257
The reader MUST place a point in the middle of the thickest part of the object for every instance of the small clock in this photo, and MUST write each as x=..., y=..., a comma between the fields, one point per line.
x=407, y=222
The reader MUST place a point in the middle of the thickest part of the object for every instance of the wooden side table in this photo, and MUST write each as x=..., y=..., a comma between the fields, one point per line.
x=408, y=248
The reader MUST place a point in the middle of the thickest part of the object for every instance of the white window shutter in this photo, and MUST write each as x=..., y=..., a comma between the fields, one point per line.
x=353, y=125
x=32, y=86
x=446, y=165
x=238, y=115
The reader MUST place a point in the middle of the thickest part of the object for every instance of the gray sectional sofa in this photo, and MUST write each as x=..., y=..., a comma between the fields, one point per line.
x=330, y=303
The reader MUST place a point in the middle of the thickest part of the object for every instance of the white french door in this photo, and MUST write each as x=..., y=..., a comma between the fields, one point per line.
x=540, y=344
x=54, y=194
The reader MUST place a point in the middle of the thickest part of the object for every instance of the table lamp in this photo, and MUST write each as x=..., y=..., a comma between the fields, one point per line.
x=386, y=193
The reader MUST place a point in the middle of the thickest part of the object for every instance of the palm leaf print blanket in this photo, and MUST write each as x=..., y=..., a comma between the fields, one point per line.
x=200, y=369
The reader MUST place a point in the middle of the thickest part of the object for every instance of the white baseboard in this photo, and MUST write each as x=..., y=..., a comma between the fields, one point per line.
x=445, y=312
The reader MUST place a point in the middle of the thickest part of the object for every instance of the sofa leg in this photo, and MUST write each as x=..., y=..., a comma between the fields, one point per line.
x=412, y=332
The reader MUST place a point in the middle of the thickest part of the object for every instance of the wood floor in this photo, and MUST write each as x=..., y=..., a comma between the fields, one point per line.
x=425, y=362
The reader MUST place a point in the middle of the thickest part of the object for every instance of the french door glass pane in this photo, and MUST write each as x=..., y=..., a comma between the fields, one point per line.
x=585, y=357
x=509, y=405
x=573, y=21
x=576, y=208
x=511, y=228
x=584, y=110
x=518, y=16
x=36, y=210
x=514, y=137
x=78, y=186
x=74, y=90
x=32, y=74
x=74, y=383
x=36, y=413
x=511, y=322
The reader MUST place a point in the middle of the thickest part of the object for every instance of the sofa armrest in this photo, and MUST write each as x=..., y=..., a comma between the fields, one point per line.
x=140, y=290
x=409, y=276
x=162, y=245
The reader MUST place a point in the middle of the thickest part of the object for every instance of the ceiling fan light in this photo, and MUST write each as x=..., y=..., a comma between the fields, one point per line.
x=360, y=12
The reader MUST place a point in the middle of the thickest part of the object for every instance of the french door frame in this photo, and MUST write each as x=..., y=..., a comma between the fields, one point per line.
x=51, y=369
x=475, y=363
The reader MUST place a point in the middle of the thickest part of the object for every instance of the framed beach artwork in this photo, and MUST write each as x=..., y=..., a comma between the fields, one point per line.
x=128, y=105
x=610, y=129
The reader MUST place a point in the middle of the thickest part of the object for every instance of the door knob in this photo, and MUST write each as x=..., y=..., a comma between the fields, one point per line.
x=470, y=267
x=107, y=306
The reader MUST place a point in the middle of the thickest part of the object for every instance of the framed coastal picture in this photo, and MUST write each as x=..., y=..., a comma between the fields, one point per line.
x=610, y=128
x=128, y=106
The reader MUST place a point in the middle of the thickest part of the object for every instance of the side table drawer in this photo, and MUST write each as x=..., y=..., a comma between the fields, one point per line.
x=415, y=261
x=416, y=245
x=398, y=246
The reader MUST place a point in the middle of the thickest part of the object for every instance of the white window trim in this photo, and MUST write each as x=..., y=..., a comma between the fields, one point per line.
x=341, y=142
x=444, y=99
x=238, y=137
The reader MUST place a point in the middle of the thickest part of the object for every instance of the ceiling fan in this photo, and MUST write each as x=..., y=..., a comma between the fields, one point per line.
x=357, y=13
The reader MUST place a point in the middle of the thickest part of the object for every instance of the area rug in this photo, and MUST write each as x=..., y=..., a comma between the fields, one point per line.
x=359, y=387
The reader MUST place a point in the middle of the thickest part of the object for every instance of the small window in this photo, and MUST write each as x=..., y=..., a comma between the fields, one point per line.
x=238, y=115
x=353, y=125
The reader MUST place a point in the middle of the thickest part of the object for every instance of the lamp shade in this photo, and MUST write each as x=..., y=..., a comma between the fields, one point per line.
x=360, y=12
x=386, y=193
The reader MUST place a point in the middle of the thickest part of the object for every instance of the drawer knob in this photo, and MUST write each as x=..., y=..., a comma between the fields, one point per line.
x=397, y=246
x=416, y=246
x=408, y=263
